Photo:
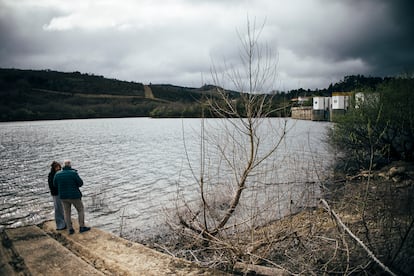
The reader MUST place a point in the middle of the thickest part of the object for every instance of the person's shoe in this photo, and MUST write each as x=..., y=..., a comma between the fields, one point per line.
x=63, y=228
x=84, y=229
x=71, y=231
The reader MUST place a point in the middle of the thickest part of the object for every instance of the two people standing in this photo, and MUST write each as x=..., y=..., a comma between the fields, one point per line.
x=67, y=182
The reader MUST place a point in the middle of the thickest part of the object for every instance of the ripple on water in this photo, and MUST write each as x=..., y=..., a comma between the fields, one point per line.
x=130, y=167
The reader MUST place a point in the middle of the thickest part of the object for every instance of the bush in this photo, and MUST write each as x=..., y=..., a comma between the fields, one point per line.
x=378, y=129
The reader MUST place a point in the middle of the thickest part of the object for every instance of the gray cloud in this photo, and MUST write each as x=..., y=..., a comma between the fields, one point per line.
x=318, y=42
x=379, y=33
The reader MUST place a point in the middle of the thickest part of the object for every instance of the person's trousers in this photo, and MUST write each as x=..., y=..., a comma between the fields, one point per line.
x=67, y=207
x=59, y=216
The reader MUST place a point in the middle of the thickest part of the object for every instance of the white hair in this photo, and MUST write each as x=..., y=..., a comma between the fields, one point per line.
x=67, y=163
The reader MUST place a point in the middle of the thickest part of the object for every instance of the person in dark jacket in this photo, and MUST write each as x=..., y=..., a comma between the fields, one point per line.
x=59, y=217
x=68, y=182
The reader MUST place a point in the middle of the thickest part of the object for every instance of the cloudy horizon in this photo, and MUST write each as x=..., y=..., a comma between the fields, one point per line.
x=316, y=42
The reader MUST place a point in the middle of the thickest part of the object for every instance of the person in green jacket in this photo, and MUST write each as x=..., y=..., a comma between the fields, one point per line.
x=67, y=181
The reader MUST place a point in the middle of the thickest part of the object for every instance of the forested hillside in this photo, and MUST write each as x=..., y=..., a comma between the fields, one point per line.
x=40, y=95
x=46, y=94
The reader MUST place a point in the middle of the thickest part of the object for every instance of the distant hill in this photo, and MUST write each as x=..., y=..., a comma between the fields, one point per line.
x=47, y=94
x=68, y=82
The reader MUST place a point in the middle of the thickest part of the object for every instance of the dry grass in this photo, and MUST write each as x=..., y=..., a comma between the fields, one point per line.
x=311, y=242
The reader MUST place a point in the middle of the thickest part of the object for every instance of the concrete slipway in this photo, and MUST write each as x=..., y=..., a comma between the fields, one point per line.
x=41, y=250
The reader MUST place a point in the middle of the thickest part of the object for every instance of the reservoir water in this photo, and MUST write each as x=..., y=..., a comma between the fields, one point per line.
x=132, y=168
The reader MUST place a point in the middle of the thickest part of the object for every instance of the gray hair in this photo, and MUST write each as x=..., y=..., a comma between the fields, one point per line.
x=67, y=163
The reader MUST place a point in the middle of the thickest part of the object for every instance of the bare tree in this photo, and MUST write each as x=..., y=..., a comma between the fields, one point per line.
x=237, y=157
x=235, y=217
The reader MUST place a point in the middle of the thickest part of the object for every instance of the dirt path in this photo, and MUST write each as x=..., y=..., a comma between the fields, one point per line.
x=148, y=92
x=41, y=250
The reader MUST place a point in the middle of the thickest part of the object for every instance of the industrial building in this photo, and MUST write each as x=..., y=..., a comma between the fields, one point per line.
x=326, y=108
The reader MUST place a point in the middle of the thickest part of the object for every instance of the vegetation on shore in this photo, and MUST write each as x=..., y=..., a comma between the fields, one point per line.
x=313, y=242
x=378, y=128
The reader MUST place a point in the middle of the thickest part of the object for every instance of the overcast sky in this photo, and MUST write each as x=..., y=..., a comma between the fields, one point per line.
x=317, y=42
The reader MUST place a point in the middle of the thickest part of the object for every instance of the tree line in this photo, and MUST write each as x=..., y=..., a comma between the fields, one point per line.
x=47, y=94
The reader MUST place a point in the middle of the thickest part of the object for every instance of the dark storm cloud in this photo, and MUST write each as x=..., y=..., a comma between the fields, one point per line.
x=385, y=40
x=398, y=47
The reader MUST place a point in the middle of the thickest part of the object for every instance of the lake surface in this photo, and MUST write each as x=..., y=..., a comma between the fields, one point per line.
x=133, y=168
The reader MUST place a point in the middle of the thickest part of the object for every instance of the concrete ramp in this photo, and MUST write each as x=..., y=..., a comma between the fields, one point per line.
x=42, y=250
x=43, y=255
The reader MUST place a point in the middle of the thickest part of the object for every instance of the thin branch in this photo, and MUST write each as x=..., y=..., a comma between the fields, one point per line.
x=352, y=235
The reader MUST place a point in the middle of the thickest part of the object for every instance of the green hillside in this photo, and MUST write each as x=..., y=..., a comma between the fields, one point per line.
x=41, y=95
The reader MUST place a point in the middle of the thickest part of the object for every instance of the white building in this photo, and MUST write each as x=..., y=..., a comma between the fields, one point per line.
x=340, y=102
x=321, y=103
x=327, y=108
